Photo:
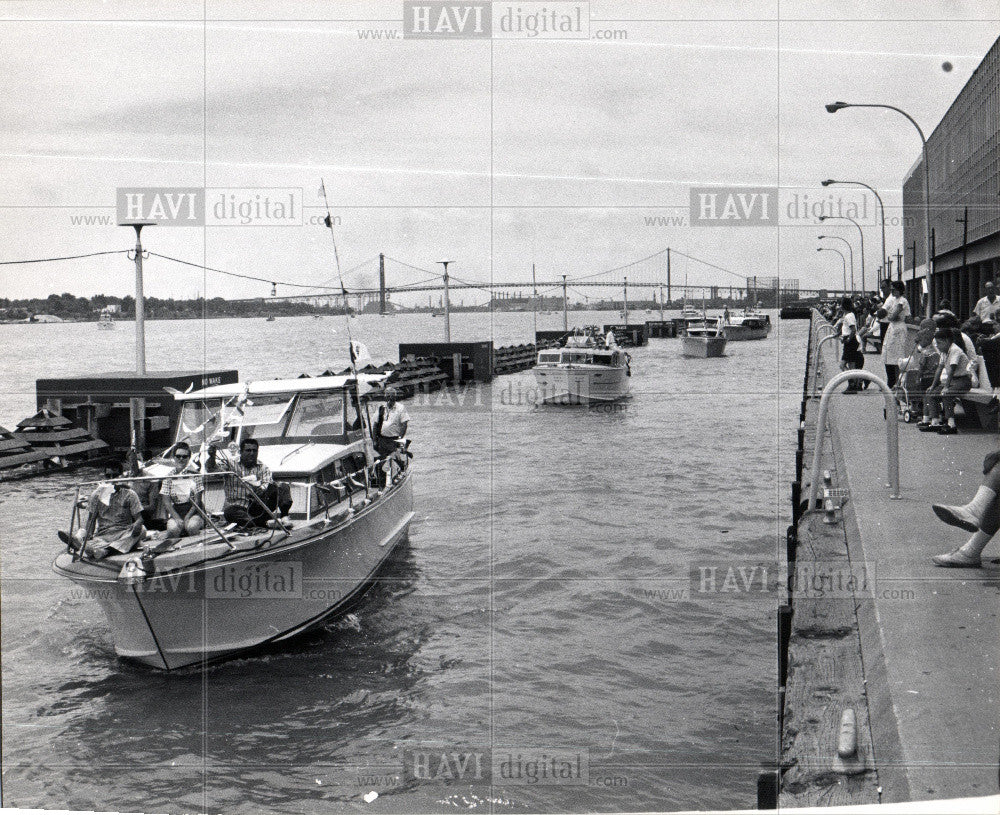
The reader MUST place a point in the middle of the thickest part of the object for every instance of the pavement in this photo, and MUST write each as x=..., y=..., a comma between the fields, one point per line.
x=930, y=636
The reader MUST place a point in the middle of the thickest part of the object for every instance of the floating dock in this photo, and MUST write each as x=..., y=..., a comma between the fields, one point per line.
x=889, y=667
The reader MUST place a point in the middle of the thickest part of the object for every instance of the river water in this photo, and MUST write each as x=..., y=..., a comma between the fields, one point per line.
x=544, y=601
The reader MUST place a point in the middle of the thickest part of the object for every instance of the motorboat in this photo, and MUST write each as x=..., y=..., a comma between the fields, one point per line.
x=106, y=321
x=750, y=325
x=587, y=369
x=223, y=591
x=705, y=339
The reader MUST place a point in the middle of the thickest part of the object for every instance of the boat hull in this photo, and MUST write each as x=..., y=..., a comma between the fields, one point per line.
x=581, y=385
x=738, y=333
x=217, y=609
x=703, y=346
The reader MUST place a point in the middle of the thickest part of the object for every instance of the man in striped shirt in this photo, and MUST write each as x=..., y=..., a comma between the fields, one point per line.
x=252, y=478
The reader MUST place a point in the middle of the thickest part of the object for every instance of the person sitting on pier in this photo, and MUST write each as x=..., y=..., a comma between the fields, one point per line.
x=987, y=308
x=951, y=380
x=871, y=331
x=981, y=517
x=114, y=519
x=391, y=424
x=179, y=496
x=252, y=478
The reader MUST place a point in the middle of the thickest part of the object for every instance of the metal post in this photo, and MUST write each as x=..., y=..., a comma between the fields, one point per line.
x=381, y=283
x=927, y=221
x=962, y=308
x=891, y=431
x=447, y=303
x=534, y=300
x=668, y=276
x=625, y=302
x=565, y=307
x=661, y=302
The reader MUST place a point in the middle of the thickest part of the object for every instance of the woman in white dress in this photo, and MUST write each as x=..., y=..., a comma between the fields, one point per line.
x=896, y=341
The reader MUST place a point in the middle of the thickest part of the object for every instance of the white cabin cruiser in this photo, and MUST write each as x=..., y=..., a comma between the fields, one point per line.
x=586, y=370
x=704, y=339
x=223, y=591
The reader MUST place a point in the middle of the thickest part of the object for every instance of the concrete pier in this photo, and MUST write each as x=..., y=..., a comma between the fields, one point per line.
x=911, y=648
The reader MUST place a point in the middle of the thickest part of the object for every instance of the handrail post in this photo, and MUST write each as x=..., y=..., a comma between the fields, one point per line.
x=891, y=432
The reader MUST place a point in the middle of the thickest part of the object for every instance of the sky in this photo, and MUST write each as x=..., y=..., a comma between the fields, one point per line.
x=575, y=156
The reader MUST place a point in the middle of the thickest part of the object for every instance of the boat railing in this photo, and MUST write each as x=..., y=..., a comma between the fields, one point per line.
x=352, y=485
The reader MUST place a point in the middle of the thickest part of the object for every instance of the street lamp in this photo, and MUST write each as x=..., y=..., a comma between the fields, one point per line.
x=447, y=304
x=861, y=233
x=842, y=259
x=849, y=249
x=833, y=108
x=878, y=197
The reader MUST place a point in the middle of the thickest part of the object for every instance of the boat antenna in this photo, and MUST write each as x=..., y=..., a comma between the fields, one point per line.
x=362, y=414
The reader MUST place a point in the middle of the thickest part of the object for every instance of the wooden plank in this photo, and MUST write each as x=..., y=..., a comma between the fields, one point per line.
x=12, y=444
x=18, y=459
x=73, y=449
x=51, y=436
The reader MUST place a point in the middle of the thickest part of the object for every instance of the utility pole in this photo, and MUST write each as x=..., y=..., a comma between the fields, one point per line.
x=899, y=265
x=625, y=302
x=447, y=304
x=962, y=308
x=668, y=276
x=381, y=283
x=565, y=306
x=137, y=405
x=661, y=302
x=534, y=300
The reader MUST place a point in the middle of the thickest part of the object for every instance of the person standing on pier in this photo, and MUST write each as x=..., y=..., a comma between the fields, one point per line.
x=981, y=517
x=896, y=337
x=851, y=358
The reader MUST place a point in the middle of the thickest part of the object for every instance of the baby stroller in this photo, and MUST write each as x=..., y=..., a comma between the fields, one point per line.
x=915, y=376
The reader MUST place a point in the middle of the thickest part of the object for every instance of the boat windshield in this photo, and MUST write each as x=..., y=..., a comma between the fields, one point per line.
x=548, y=356
x=318, y=414
x=262, y=418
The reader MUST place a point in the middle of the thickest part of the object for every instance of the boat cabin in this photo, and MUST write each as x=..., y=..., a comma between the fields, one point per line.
x=309, y=430
x=584, y=350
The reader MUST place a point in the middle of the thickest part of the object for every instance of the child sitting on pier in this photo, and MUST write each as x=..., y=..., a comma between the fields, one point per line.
x=953, y=378
x=981, y=516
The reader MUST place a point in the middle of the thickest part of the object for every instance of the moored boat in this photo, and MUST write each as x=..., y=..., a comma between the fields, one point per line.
x=223, y=591
x=585, y=370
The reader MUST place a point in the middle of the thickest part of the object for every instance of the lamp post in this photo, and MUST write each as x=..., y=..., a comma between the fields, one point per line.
x=849, y=249
x=833, y=108
x=878, y=198
x=447, y=304
x=861, y=233
x=842, y=259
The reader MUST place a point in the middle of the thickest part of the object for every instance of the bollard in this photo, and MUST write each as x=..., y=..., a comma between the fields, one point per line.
x=848, y=759
x=767, y=789
x=791, y=543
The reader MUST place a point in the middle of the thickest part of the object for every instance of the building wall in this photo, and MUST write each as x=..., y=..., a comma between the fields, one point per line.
x=964, y=159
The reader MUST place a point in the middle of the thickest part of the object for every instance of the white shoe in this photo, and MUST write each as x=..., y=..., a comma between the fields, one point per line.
x=958, y=560
x=957, y=516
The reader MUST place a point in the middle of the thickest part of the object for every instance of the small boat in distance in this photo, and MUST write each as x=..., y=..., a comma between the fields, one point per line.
x=270, y=318
x=704, y=339
x=585, y=370
x=106, y=322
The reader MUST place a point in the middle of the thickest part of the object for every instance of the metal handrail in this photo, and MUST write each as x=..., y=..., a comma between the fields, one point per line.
x=891, y=433
x=816, y=371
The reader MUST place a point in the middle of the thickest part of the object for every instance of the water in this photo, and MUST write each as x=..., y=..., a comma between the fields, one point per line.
x=535, y=606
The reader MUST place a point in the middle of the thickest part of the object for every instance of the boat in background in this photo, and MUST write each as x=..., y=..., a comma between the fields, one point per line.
x=750, y=325
x=106, y=322
x=586, y=370
x=705, y=339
